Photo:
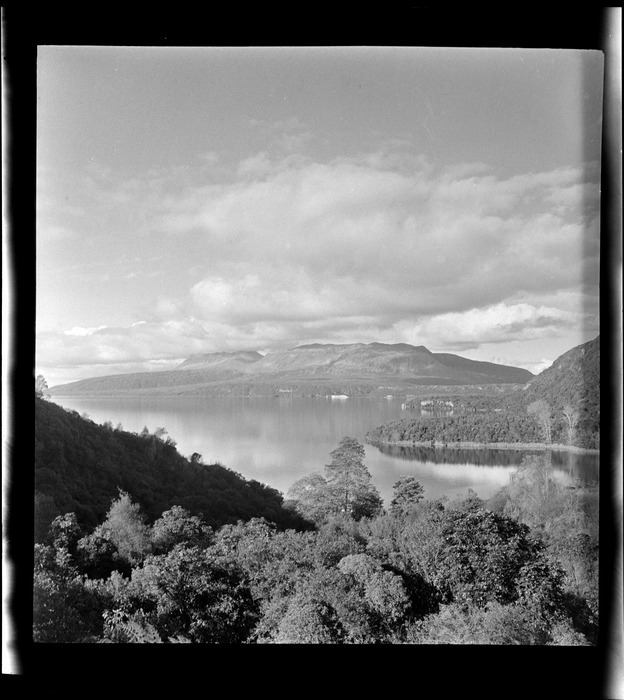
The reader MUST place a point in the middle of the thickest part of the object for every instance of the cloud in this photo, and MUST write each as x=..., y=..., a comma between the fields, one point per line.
x=493, y=324
x=79, y=331
x=383, y=246
x=109, y=346
x=369, y=238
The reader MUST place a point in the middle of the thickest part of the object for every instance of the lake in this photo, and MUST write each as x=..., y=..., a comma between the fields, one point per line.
x=280, y=440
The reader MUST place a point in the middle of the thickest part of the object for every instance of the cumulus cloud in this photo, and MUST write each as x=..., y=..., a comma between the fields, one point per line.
x=493, y=324
x=384, y=246
x=125, y=344
x=323, y=238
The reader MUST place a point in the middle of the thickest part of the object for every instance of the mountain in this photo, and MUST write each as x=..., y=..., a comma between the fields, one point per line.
x=306, y=370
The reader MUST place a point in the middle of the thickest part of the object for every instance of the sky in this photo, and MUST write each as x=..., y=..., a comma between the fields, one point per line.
x=197, y=200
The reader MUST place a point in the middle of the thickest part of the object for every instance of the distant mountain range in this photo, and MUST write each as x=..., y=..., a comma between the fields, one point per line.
x=305, y=370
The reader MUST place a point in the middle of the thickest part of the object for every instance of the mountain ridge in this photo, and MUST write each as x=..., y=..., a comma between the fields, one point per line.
x=354, y=367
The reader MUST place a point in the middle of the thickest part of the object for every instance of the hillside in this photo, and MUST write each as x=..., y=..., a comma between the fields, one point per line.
x=573, y=378
x=305, y=370
x=571, y=382
x=79, y=467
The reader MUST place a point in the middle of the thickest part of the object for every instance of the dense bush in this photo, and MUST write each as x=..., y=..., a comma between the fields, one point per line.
x=436, y=572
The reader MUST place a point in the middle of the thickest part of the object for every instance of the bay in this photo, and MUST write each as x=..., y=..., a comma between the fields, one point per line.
x=280, y=440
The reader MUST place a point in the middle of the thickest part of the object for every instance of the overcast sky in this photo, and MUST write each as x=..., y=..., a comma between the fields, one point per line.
x=210, y=199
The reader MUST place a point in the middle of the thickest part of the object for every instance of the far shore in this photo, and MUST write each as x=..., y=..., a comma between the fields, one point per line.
x=488, y=445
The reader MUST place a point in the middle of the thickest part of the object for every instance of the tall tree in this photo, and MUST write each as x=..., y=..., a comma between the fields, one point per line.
x=349, y=481
x=571, y=418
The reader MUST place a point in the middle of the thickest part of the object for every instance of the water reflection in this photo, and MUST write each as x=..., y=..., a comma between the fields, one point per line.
x=581, y=466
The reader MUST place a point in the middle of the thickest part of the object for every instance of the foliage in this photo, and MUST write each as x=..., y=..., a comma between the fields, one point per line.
x=64, y=610
x=440, y=572
x=346, y=487
x=483, y=556
x=198, y=595
x=126, y=527
x=567, y=521
x=98, y=556
x=407, y=493
x=308, y=497
x=80, y=467
x=65, y=532
x=124, y=628
x=505, y=426
x=178, y=526
x=495, y=624
x=542, y=412
x=41, y=387
x=309, y=621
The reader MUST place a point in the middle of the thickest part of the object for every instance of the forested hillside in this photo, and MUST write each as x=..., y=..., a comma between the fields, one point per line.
x=573, y=380
x=559, y=406
x=80, y=466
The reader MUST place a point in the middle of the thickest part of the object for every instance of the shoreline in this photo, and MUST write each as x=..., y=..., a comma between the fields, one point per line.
x=541, y=446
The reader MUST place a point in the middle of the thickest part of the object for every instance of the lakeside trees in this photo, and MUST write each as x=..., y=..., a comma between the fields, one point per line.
x=539, y=422
x=345, y=488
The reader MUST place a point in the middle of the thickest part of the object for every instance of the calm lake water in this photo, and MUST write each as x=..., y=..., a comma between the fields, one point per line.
x=279, y=440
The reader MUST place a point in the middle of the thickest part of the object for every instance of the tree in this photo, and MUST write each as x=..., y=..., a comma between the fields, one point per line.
x=571, y=418
x=349, y=481
x=178, y=526
x=488, y=557
x=407, y=493
x=345, y=489
x=64, y=610
x=308, y=496
x=98, y=556
x=534, y=496
x=541, y=411
x=126, y=527
x=197, y=594
x=64, y=532
x=495, y=624
x=309, y=621
x=41, y=387
x=384, y=591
